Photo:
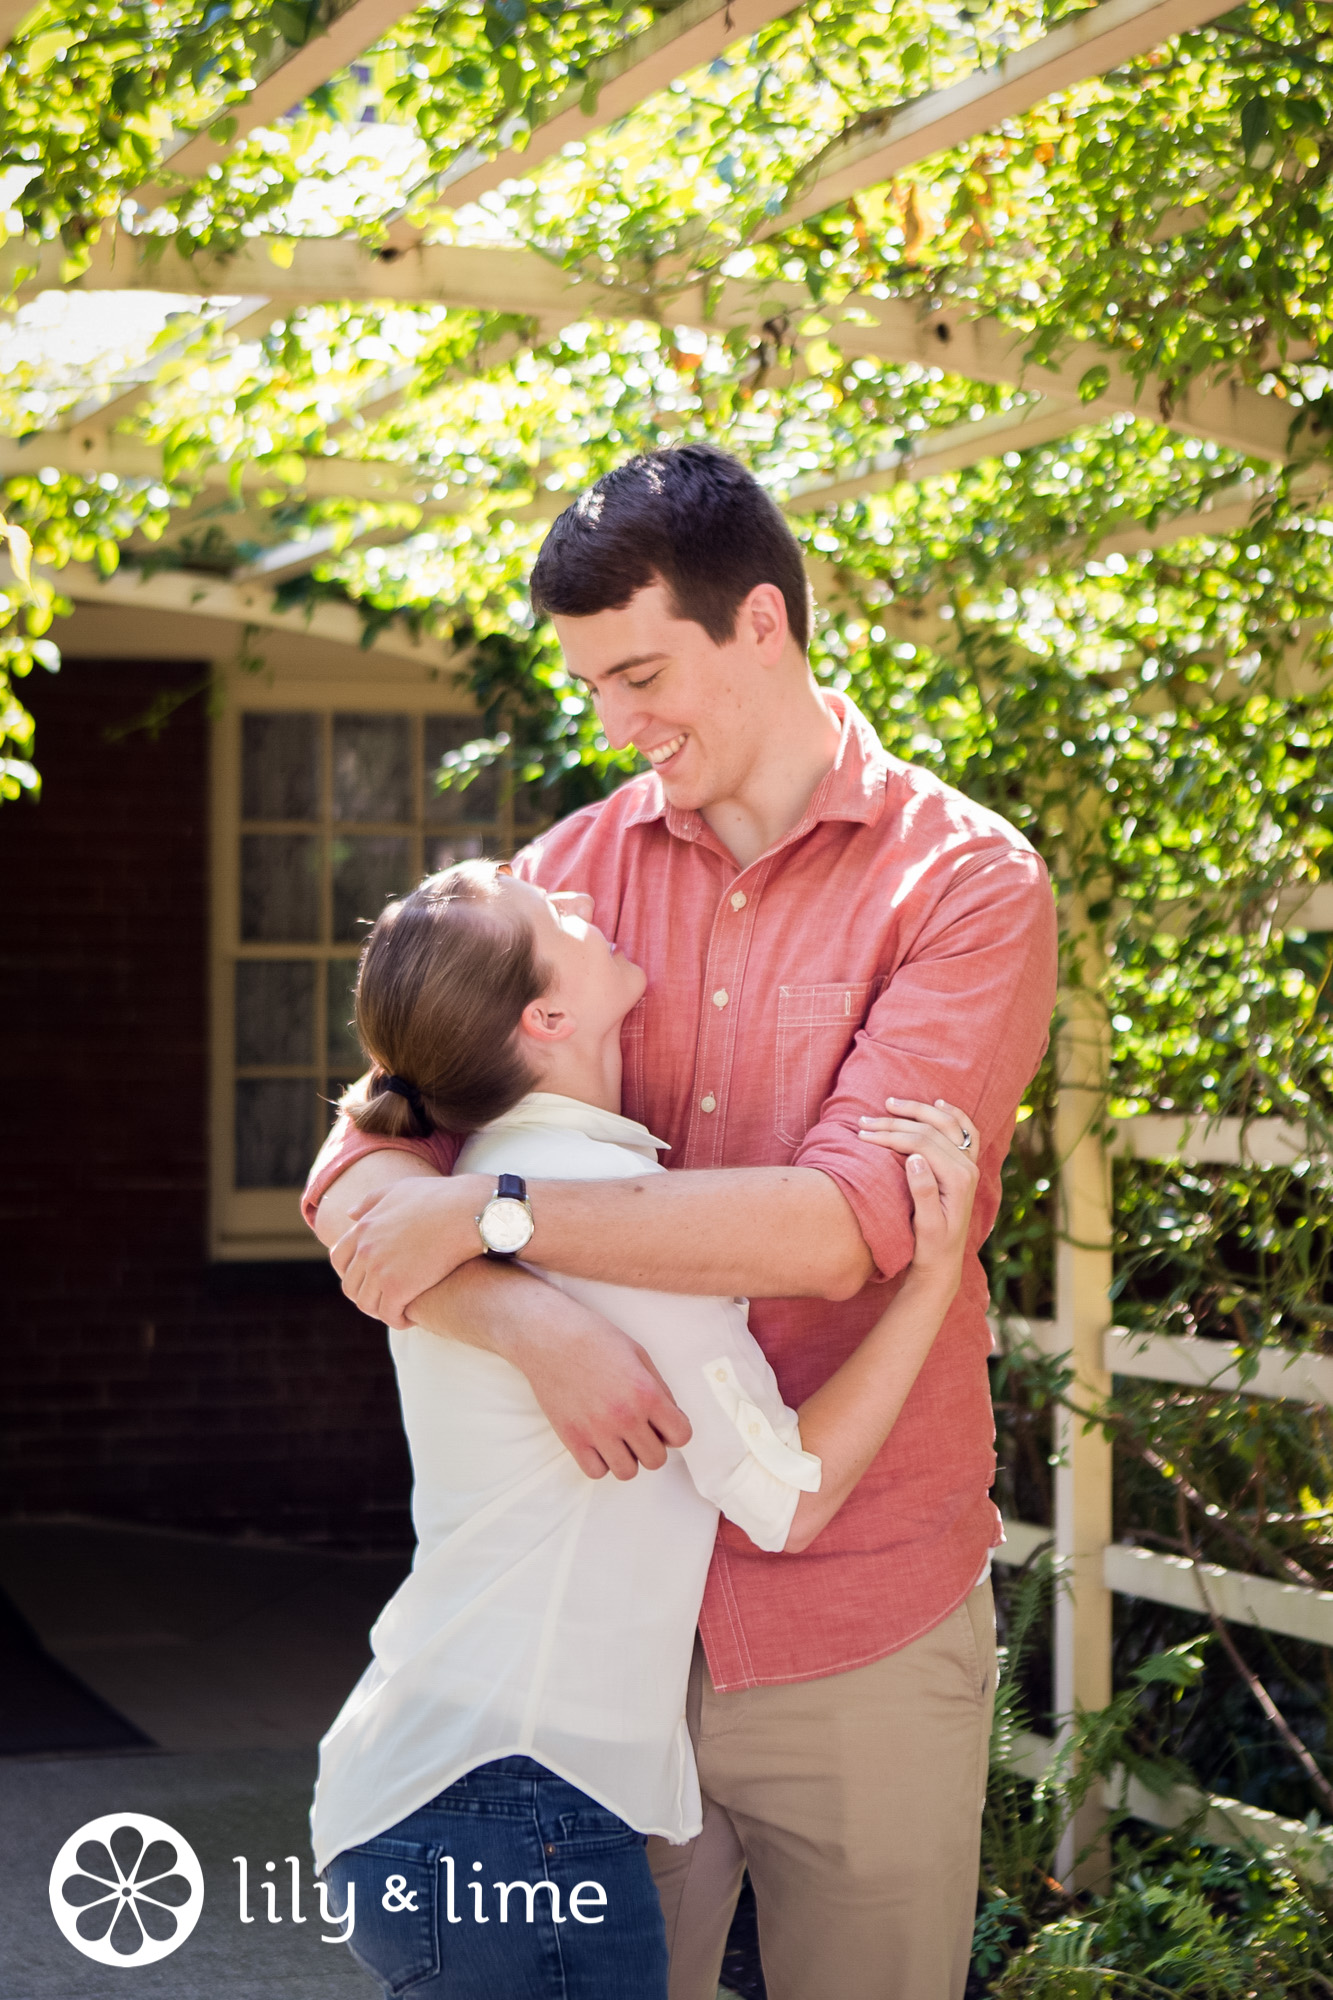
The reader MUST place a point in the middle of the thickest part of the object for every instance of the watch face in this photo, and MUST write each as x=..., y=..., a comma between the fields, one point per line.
x=505, y=1224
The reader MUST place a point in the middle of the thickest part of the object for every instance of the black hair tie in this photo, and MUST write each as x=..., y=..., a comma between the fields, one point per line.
x=415, y=1102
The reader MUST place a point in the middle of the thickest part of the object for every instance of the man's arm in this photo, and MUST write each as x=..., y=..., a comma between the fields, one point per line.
x=963, y=1018
x=600, y=1392
x=766, y=1232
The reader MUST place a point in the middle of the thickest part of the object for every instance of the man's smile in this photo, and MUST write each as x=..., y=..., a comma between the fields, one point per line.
x=662, y=753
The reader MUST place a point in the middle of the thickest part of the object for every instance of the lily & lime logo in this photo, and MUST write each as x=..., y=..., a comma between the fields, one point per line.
x=126, y=1889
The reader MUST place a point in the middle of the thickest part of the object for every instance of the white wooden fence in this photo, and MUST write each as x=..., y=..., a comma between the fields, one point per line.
x=1090, y=1564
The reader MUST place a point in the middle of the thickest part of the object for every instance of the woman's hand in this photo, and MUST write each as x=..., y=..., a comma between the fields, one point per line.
x=941, y=1177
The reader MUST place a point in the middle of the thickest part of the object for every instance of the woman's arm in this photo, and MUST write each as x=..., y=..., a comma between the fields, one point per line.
x=751, y=1454
x=601, y=1393
x=846, y=1422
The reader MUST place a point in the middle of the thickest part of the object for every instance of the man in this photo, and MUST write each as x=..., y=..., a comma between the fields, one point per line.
x=823, y=928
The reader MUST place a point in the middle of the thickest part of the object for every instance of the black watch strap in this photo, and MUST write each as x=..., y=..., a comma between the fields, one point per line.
x=508, y=1187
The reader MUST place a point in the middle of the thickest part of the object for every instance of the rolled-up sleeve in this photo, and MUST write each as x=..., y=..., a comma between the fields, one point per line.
x=964, y=1016
x=345, y=1144
x=745, y=1452
x=757, y=1470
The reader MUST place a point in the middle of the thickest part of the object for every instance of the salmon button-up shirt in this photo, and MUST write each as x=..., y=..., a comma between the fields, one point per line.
x=898, y=941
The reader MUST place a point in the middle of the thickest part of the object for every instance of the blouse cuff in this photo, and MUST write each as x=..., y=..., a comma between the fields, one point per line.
x=782, y=1457
x=761, y=1506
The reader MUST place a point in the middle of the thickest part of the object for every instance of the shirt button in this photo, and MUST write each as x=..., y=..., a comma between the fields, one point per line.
x=721, y=997
x=720, y=1374
x=708, y=1103
x=753, y=1430
x=738, y=901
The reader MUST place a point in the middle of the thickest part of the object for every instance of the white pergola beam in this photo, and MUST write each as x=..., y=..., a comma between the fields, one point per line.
x=246, y=319
x=930, y=621
x=13, y=13
x=505, y=280
x=254, y=324
x=1312, y=912
x=986, y=350
x=393, y=389
x=242, y=604
x=943, y=451
x=1224, y=513
x=287, y=81
x=1087, y=46
x=935, y=452
x=1286, y=1374
x=1293, y=1609
x=687, y=37
x=1202, y=1140
x=88, y=451
x=1185, y=217
x=683, y=40
x=293, y=558
x=323, y=270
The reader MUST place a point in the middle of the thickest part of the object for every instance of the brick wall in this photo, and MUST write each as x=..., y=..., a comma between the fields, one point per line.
x=142, y=1383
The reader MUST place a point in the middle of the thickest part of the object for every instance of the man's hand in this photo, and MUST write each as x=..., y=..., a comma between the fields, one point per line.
x=599, y=1390
x=405, y=1238
x=602, y=1395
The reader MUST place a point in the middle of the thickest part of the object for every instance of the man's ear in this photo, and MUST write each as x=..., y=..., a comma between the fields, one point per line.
x=764, y=614
x=545, y=1022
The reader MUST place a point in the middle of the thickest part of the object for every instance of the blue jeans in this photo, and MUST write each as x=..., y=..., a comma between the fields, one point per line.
x=511, y=1885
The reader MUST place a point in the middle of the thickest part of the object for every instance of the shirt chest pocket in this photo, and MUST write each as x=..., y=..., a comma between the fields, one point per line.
x=816, y=1028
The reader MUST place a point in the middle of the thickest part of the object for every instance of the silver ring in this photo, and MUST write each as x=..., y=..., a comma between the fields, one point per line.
x=965, y=1143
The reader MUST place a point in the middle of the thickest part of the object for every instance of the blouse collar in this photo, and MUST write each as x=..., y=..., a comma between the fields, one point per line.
x=545, y=1108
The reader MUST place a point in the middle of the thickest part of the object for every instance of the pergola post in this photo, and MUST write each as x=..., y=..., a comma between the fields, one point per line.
x=1083, y=1313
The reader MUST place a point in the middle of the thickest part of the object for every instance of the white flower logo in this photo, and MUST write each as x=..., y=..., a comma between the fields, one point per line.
x=126, y=1889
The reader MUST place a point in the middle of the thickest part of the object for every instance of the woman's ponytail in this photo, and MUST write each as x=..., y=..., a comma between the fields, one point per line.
x=389, y=1106
x=440, y=991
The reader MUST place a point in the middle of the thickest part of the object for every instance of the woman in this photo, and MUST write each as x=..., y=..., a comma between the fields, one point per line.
x=488, y=1787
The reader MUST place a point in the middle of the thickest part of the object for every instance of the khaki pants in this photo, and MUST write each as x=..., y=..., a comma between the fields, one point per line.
x=855, y=1802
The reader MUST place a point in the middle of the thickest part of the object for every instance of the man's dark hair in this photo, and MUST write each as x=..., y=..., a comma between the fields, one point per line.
x=690, y=517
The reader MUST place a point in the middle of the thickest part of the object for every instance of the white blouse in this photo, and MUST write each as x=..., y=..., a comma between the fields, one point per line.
x=548, y=1614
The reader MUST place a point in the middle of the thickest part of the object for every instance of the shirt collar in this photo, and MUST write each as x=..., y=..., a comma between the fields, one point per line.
x=545, y=1108
x=853, y=789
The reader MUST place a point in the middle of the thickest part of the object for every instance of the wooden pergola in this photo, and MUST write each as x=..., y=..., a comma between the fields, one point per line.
x=1044, y=405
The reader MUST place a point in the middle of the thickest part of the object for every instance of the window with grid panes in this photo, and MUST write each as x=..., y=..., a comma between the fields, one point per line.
x=338, y=812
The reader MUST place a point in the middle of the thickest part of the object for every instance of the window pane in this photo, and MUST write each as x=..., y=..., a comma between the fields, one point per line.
x=481, y=799
x=444, y=853
x=276, y=1130
x=372, y=767
x=275, y=1011
x=280, y=767
x=344, y=1050
x=280, y=888
x=367, y=870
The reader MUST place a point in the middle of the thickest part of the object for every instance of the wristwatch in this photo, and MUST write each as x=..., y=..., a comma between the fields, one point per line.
x=506, y=1222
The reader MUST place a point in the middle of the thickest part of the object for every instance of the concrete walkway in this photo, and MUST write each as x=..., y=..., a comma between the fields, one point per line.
x=233, y=1658
x=206, y=1645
